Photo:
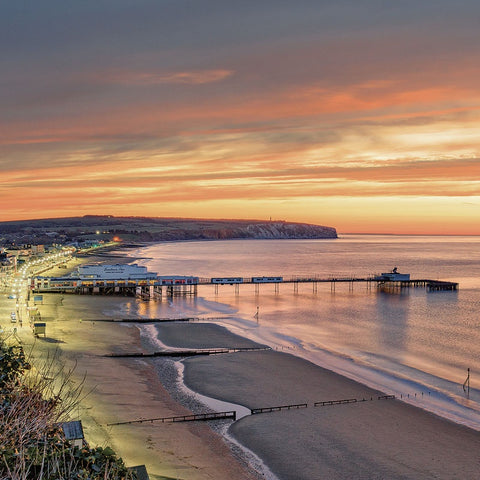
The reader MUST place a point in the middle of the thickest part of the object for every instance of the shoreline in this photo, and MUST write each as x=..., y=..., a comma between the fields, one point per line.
x=416, y=394
x=437, y=402
x=249, y=430
x=379, y=438
x=171, y=374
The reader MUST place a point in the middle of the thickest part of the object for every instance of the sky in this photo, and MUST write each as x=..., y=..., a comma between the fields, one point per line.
x=363, y=115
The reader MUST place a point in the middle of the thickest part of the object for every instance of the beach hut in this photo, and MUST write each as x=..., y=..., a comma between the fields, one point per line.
x=141, y=472
x=73, y=432
x=39, y=328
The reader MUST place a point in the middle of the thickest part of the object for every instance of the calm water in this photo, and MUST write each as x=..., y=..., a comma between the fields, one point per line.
x=414, y=344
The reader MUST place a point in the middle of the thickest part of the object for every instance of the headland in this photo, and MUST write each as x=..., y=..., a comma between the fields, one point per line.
x=106, y=228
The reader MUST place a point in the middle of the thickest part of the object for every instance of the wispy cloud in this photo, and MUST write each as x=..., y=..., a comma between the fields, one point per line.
x=193, y=77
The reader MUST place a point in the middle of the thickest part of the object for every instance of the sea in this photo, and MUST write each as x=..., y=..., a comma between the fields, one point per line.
x=421, y=346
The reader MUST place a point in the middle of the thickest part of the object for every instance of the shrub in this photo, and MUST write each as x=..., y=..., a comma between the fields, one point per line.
x=32, y=443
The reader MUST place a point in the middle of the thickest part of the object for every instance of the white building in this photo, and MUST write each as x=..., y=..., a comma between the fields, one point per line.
x=115, y=272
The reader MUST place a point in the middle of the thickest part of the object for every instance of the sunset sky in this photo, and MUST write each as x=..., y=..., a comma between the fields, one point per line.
x=363, y=115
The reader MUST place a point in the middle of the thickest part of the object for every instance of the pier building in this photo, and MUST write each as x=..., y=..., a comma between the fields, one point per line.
x=121, y=279
x=114, y=272
x=393, y=276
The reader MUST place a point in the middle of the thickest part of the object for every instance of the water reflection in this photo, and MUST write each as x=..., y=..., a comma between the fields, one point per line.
x=392, y=309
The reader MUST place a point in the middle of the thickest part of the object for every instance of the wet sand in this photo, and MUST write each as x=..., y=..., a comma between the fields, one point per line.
x=123, y=389
x=371, y=439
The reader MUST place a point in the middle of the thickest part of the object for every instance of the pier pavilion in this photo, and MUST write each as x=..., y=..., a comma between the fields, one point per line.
x=128, y=280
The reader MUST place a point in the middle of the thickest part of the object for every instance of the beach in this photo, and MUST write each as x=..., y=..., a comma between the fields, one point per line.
x=370, y=439
x=118, y=390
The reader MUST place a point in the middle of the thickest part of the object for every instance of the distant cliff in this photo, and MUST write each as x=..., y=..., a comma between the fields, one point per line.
x=147, y=229
x=193, y=229
x=272, y=230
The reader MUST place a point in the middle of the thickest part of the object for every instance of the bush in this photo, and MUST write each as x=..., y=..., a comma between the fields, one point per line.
x=32, y=443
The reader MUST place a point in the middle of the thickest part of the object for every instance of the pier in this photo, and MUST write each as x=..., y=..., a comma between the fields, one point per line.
x=158, y=291
x=134, y=280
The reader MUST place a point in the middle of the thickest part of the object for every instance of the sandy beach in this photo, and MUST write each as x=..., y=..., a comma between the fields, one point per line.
x=371, y=439
x=119, y=389
x=374, y=439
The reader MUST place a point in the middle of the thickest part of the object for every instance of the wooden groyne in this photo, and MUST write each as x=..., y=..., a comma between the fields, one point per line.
x=183, y=418
x=350, y=400
x=158, y=320
x=277, y=409
x=324, y=403
x=145, y=320
x=254, y=411
x=335, y=402
x=186, y=353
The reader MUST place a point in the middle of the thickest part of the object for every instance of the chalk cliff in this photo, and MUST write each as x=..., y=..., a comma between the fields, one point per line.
x=272, y=230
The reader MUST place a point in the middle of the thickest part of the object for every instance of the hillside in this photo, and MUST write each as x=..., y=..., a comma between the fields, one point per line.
x=144, y=229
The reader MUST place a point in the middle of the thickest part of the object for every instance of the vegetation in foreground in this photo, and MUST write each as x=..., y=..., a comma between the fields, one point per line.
x=33, y=406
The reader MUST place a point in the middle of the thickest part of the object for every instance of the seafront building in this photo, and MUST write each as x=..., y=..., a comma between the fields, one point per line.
x=127, y=279
x=118, y=272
